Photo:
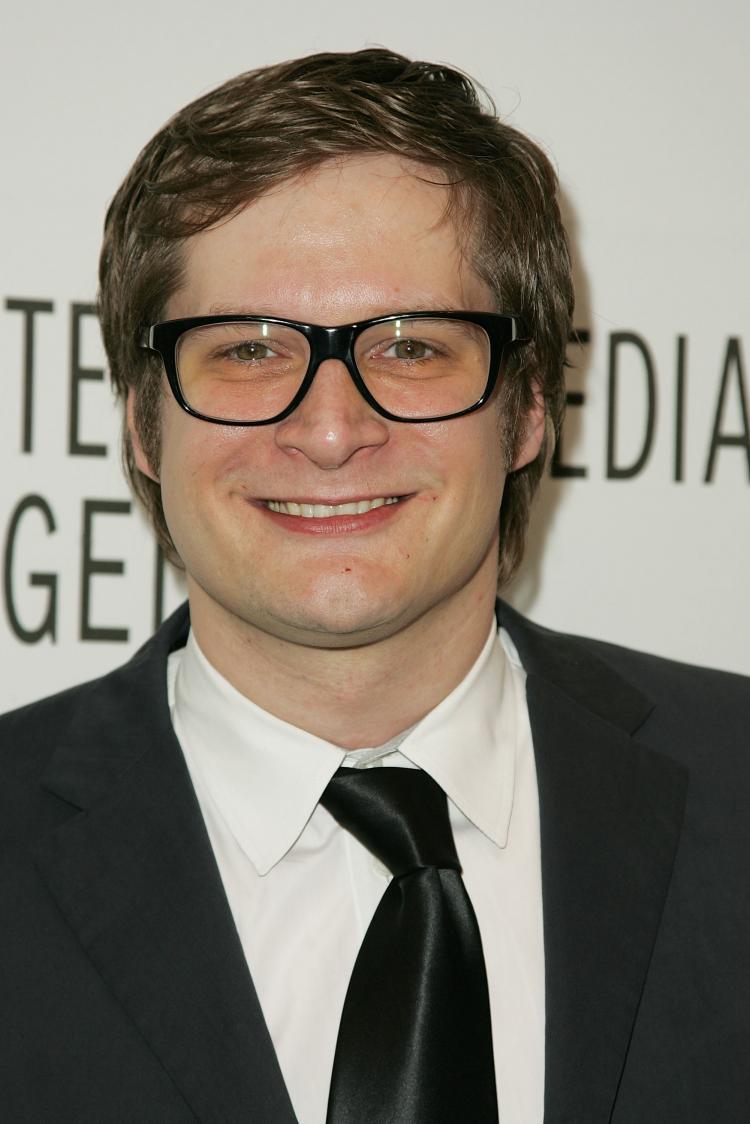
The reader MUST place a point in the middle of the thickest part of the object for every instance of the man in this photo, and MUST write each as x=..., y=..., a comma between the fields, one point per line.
x=205, y=919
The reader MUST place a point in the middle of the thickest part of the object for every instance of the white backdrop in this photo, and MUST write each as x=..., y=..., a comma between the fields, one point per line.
x=644, y=108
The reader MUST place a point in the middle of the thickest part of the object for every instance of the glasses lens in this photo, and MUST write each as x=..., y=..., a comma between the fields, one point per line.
x=424, y=368
x=246, y=371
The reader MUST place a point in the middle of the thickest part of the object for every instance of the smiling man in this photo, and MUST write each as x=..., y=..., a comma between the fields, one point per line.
x=341, y=565
x=349, y=841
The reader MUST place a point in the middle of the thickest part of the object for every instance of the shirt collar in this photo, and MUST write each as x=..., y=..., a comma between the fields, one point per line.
x=467, y=743
x=266, y=777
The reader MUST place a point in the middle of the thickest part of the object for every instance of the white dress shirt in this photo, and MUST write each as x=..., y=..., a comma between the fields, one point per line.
x=302, y=890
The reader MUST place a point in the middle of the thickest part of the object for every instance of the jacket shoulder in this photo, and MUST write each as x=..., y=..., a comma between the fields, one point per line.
x=29, y=737
x=695, y=714
x=28, y=734
x=701, y=717
x=93, y=721
x=691, y=689
x=648, y=673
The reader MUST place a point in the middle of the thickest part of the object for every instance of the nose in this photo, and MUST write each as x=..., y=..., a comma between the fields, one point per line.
x=333, y=422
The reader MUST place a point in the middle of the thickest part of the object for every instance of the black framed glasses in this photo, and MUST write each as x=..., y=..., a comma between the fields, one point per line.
x=409, y=367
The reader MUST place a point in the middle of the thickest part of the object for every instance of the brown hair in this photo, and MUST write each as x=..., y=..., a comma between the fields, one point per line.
x=268, y=126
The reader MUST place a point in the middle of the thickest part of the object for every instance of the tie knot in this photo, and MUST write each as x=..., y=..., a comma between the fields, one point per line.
x=401, y=815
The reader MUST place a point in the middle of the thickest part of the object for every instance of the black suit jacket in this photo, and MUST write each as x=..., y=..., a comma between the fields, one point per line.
x=124, y=993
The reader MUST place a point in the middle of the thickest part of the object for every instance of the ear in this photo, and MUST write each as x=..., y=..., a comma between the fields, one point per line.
x=141, y=460
x=534, y=433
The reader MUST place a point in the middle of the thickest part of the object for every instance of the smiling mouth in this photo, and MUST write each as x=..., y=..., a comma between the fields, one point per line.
x=328, y=511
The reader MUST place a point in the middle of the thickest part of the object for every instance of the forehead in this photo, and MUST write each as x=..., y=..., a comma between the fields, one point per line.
x=365, y=234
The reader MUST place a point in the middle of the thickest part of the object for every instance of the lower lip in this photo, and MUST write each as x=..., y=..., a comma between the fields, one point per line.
x=336, y=524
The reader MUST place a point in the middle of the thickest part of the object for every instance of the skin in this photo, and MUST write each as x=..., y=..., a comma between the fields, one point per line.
x=352, y=635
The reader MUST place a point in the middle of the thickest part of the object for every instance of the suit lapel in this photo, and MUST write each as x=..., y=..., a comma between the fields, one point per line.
x=136, y=879
x=610, y=815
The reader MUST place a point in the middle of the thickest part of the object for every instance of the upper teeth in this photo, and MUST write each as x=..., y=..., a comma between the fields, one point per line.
x=325, y=510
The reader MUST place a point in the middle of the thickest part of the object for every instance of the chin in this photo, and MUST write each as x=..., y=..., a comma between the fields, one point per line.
x=349, y=623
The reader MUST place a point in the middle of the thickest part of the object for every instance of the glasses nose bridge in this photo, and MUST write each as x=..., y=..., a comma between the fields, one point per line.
x=332, y=343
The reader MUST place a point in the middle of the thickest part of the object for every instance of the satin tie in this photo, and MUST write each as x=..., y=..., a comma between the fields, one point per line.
x=415, y=1039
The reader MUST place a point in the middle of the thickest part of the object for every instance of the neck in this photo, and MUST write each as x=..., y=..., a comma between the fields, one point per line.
x=358, y=696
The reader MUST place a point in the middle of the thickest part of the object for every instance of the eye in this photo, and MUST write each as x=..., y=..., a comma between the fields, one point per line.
x=250, y=351
x=408, y=349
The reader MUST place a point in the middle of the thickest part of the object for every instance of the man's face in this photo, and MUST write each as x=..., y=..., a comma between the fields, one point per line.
x=354, y=240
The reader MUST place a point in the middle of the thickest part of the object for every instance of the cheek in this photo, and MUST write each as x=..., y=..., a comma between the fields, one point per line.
x=461, y=513
x=189, y=460
x=478, y=457
x=193, y=450
x=485, y=481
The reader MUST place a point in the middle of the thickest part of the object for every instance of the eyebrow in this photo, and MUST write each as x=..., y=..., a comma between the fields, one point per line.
x=421, y=305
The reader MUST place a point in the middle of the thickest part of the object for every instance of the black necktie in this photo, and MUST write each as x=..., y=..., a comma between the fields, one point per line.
x=415, y=1040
